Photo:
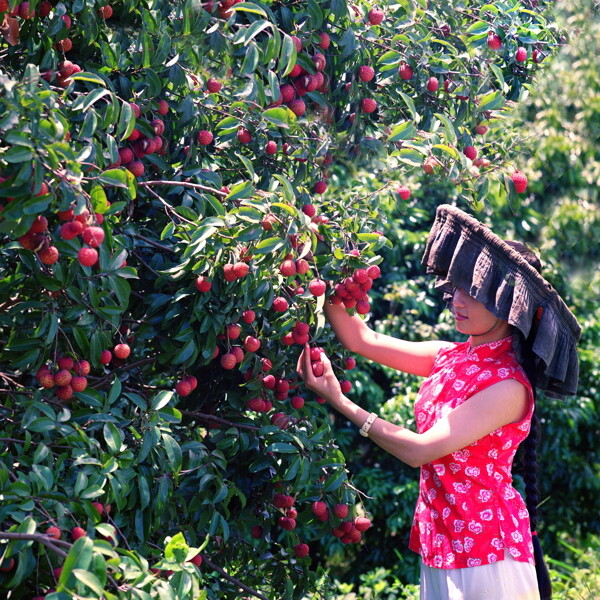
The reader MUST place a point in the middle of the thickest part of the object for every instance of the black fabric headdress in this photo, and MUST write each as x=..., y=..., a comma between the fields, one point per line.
x=463, y=252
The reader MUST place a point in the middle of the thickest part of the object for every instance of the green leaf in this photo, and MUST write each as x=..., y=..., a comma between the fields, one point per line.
x=18, y=154
x=448, y=127
x=116, y=177
x=287, y=57
x=256, y=28
x=91, y=77
x=268, y=245
x=173, y=452
x=282, y=447
x=113, y=438
x=126, y=121
x=89, y=580
x=403, y=131
x=249, y=7
x=448, y=150
x=333, y=483
x=161, y=399
x=177, y=549
x=278, y=116
x=491, y=101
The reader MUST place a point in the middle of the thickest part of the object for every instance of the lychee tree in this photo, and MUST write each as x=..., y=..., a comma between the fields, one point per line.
x=176, y=185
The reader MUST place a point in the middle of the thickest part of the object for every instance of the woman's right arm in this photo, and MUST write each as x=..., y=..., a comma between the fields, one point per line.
x=355, y=335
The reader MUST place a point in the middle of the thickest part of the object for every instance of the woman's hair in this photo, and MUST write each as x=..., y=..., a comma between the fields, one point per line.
x=528, y=464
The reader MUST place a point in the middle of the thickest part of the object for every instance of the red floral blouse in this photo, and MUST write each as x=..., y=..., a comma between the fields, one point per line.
x=468, y=513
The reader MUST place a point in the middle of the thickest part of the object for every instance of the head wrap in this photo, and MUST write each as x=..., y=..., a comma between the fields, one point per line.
x=463, y=252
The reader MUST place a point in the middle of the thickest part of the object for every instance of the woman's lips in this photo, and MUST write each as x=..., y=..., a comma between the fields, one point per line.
x=459, y=317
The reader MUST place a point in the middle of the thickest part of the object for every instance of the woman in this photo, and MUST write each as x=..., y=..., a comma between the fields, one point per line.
x=476, y=405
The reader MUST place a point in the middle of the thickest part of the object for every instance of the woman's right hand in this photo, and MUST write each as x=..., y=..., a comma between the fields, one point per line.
x=326, y=385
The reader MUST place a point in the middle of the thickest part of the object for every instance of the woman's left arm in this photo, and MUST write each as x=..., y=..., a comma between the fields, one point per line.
x=498, y=405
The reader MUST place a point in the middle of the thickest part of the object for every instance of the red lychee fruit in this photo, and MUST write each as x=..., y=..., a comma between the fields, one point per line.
x=241, y=269
x=54, y=532
x=136, y=168
x=270, y=147
x=368, y=105
x=205, y=137
x=228, y=361
x=287, y=523
x=82, y=367
x=39, y=225
x=375, y=16
x=77, y=532
x=87, y=256
x=49, y=256
x=283, y=501
x=320, y=187
x=493, y=41
x=297, y=106
x=122, y=351
x=309, y=210
x=64, y=392
x=203, y=284
x=163, y=107
x=79, y=383
x=317, y=287
x=433, y=84
x=63, y=377
x=288, y=268
x=362, y=523
x=251, y=344
x=521, y=54
x=405, y=71
x=403, y=192
x=105, y=357
x=105, y=12
x=233, y=331
x=345, y=386
x=244, y=136
x=213, y=85
x=93, y=236
x=256, y=531
x=297, y=42
x=366, y=73
x=248, y=316
x=301, y=550
x=280, y=304
x=340, y=511
x=519, y=180
x=183, y=388
x=297, y=402
x=325, y=40
x=317, y=368
x=470, y=152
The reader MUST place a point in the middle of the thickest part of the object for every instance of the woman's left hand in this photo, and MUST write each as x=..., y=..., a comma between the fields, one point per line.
x=326, y=385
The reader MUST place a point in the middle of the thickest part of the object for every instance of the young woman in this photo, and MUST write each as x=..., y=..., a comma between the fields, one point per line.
x=471, y=526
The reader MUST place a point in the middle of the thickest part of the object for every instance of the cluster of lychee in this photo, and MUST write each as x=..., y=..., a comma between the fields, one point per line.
x=69, y=375
x=352, y=290
x=186, y=385
x=349, y=531
x=139, y=144
x=25, y=11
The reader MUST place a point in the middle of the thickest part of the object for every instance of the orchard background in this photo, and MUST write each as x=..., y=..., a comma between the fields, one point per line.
x=179, y=182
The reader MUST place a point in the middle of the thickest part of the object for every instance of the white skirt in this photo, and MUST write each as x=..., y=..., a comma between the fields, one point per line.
x=507, y=579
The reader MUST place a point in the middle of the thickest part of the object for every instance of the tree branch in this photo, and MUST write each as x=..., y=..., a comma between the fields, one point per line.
x=207, y=417
x=46, y=540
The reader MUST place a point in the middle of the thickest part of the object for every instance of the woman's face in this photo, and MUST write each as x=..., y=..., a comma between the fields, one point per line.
x=472, y=318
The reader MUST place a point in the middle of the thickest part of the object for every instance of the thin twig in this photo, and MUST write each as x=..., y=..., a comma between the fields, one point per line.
x=232, y=579
x=207, y=417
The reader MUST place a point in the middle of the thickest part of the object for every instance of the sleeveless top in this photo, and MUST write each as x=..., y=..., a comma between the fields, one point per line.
x=468, y=513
